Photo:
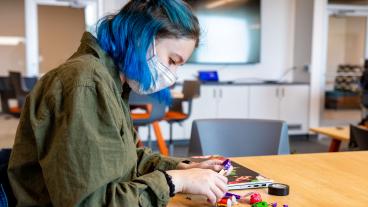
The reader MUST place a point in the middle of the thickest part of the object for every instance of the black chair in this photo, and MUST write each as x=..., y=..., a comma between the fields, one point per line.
x=176, y=113
x=6, y=93
x=19, y=87
x=360, y=135
x=4, y=180
x=239, y=137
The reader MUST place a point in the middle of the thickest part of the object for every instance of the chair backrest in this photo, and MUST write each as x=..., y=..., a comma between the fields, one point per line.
x=239, y=137
x=30, y=82
x=16, y=82
x=21, y=91
x=6, y=92
x=360, y=135
x=158, y=109
x=191, y=89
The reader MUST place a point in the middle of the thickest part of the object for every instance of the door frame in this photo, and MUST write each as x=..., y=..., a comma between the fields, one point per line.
x=92, y=9
x=322, y=12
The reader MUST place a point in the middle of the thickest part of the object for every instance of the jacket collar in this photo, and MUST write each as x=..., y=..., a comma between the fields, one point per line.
x=89, y=45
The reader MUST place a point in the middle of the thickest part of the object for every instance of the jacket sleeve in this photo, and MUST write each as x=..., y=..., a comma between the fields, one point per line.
x=149, y=161
x=84, y=152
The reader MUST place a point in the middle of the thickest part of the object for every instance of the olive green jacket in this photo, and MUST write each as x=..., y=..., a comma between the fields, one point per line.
x=75, y=144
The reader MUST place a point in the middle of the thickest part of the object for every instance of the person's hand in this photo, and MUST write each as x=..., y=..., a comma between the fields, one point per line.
x=198, y=181
x=215, y=165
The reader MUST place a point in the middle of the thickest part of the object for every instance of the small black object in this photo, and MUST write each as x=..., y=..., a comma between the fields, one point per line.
x=278, y=189
x=169, y=183
x=187, y=161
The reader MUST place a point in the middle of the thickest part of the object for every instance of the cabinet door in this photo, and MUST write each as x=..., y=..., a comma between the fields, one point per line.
x=203, y=107
x=233, y=102
x=264, y=102
x=294, y=107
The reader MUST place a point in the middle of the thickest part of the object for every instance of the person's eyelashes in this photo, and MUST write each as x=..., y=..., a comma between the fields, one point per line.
x=172, y=62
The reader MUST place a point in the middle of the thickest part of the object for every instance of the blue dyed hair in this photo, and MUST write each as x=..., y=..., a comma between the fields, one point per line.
x=127, y=35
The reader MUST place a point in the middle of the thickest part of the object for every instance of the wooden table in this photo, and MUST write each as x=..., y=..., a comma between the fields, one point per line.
x=315, y=180
x=337, y=134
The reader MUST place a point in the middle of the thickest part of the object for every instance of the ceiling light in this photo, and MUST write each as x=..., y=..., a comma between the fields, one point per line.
x=11, y=40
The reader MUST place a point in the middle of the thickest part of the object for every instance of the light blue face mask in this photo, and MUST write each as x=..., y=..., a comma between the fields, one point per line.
x=162, y=76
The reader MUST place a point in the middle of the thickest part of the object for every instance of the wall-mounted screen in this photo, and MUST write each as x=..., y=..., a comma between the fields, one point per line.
x=230, y=31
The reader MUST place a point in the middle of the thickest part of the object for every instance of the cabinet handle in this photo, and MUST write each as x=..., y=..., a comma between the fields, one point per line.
x=220, y=93
x=214, y=93
x=277, y=92
x=283, y=92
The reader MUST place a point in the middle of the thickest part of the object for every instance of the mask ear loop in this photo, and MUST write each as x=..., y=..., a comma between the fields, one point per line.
x=155, y=75
x=154, y=47
x=152, y=50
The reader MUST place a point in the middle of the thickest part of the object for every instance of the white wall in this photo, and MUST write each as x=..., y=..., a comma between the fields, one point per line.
x=303, y=39
x=12, y=24
x=112, y=6
x=318, y=61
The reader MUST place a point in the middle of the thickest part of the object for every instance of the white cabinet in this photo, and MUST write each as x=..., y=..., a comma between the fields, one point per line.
x=264, y=102
x=232, y=102
x=281, y=102
x=219, y=101
x=278, y=102
x=215, y=101
x=205, y=106
x=294, y=107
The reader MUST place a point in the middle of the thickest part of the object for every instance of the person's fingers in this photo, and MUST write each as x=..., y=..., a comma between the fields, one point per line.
x=211, y=196
x=223, y=178
x=217, y=191
x=215, y=165
x=222, y=184
x=217, y=168
x=221, y=181
x=214, y=162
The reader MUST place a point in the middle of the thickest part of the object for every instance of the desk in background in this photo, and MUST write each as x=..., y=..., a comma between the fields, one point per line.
x=315, y=180
x=337, y=134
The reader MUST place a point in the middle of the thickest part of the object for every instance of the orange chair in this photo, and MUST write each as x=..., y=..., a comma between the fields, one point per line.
x=176, y=114
x=154, y=112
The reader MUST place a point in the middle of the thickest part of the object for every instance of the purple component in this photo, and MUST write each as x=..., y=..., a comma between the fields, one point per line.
x=227, y=164
x=274, y=204
x=232, y=194
x=285, y=205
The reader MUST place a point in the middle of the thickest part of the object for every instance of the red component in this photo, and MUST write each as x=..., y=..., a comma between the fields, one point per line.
x=255, y=198
x=223, y=201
